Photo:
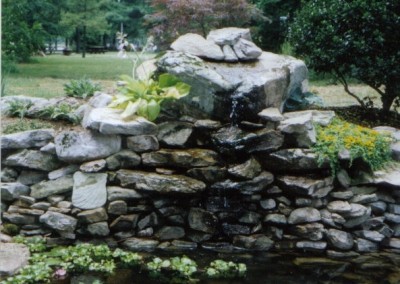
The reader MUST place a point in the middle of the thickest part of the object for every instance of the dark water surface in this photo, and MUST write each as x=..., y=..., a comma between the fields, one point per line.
x=272, y=268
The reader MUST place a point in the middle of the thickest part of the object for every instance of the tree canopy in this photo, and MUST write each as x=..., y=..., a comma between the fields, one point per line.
x=352, y=38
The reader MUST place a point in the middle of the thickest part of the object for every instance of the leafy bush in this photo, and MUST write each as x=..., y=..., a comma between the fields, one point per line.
x=361, y=142
x=24, y=125
x=178, y=269
x=357, y=39
x=223, y=269
x=144, y=97
x=10, y=229
x=61, y=112
x=18, y=108
x=82, y=88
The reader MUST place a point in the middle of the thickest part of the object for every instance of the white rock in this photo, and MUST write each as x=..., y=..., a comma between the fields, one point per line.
x=246, y=50
x=89, y=190
x=27, y=139
x=228, y=36
x=230, y=55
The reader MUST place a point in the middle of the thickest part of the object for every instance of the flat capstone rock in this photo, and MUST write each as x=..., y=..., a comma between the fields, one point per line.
x=34, y=160
x=27, y=139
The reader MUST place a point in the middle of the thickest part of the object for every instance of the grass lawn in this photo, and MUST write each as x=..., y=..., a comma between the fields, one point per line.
x=45, y=76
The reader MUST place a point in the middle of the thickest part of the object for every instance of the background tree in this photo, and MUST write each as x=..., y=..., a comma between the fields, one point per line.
x=173, y=18
x=352, y=38
x=271, y=34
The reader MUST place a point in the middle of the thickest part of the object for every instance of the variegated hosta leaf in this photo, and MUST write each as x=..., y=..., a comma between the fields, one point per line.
x=131, y=108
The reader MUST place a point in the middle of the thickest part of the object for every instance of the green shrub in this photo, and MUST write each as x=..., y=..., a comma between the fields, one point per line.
x=18, y=108
x=361, y=142
x=224, y=269
x=10, y=229
x=25, y=125
x=60, y=112
x=82, y=88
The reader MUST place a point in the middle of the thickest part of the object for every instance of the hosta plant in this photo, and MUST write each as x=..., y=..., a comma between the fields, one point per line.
x=144, y=97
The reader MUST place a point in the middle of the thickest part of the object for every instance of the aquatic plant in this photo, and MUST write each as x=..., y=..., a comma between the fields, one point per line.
x=224, y=269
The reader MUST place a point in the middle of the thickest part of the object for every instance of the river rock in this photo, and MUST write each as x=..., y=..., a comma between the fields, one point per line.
x=99, y=229
x=119, y=193
x=8, y=175
x=208, y=174
x=276, y=219
x=293, y=160
x=311, y=246
x=100, y=100
x=13, y=190
x=305, y=186
x=302, y=129
x=31, y=177
x=365, y=246
x=312, y=231
x=89, y=190
x=52, y=187
x=93, y=166
x=339, y=239
x=82, y=146
x=13, y=258
x=108, y=121
x=174, y=133
x=58, y=221
x=150, y=220
x=235, y=229
x=395, y=147
x=152, y=182
x=202, y=220
x=248, y=170
x=125, y=223
x=253, y=242
x=34, y=160
x=27, y=139
x=354, y=222
x=246, y=50
x=228, y=36
x=197, y=45
x=93, y=215
x=339, y=206
x=248, y=187
x=373, y=236
x=19, y=219
x=68, y=170
x=342, y=195
x=304, y=215
x=142, y=143
x=137, y=244
x=123, y=159
x=170, y=233
x=365, y=198
x=117, y=207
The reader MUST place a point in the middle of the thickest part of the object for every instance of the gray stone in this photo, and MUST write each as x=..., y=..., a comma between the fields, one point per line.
x=27, y=139
x=19, y=219
x=276, y=219
x=13, y=258
x=304, y=215
x=392, y=218
x=148, y=232
x=393, y=243
x=99, y=229
x=248, y=170
x=13, y=190
x=305, y=186
x=41, y=205
x=82, y=146
x=93, y=166
x=235, y=229
x=250, y=217
x=52, y=187
x=170, y=233
x=354, y=222
x=228, y=36
x=319, y=117
x=201, y=220
x=293, y=160
x=343, y=195
x=268, y=204
x=342, y=254
x=373, y=236
x=246, y=50
x=365, y=198
x=5, y=102
x=254, y=242
x=142, y=143
x=187, y=158
x=271, y=114
x=301, y=127
x=27, y=200
x=208, y=174
x=119, y=193
x=394, y=208
x=109, y=121
x=365, y=246
x=136, y=244
x=89, y=190
x=303, y=202
x=31, y=177
x=357, y=210
x=93, y=215
x=197, y=45
x=339, y=206
x=34, y=160
x=117, y=207
x=248, y=187
x=151, y=182
x=55, y=199
x=312, y=231
x=100, y=100
x=361, y=190
x=207, y=124
x=378, y=208
x=68, y=170
x=150, y=220
x=123, y=159
x=229, y=54
x=395, y=147
x=174, y=133
x=58, y=221
x=344, y=178
x=125, y=223
x=8, y=175
x=311, y=246
x=340, y=239
x=387, y=176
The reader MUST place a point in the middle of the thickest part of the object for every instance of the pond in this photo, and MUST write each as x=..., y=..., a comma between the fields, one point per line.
x=276, y=268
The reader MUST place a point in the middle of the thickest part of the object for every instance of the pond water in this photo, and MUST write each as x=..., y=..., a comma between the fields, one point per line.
x=272, y=268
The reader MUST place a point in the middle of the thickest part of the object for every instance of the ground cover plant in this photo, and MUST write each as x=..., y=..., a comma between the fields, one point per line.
x=360, y=142
x=47, y=263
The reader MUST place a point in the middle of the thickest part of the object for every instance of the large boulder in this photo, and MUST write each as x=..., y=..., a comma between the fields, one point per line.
x=13, y=257
x=34, y=160
x=82, y=146
x=27, y=139
x=216, y=87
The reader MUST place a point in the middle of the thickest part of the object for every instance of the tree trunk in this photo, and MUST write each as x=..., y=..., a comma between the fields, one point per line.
x=78, y=39
x=84, y=42
x=392, y=91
